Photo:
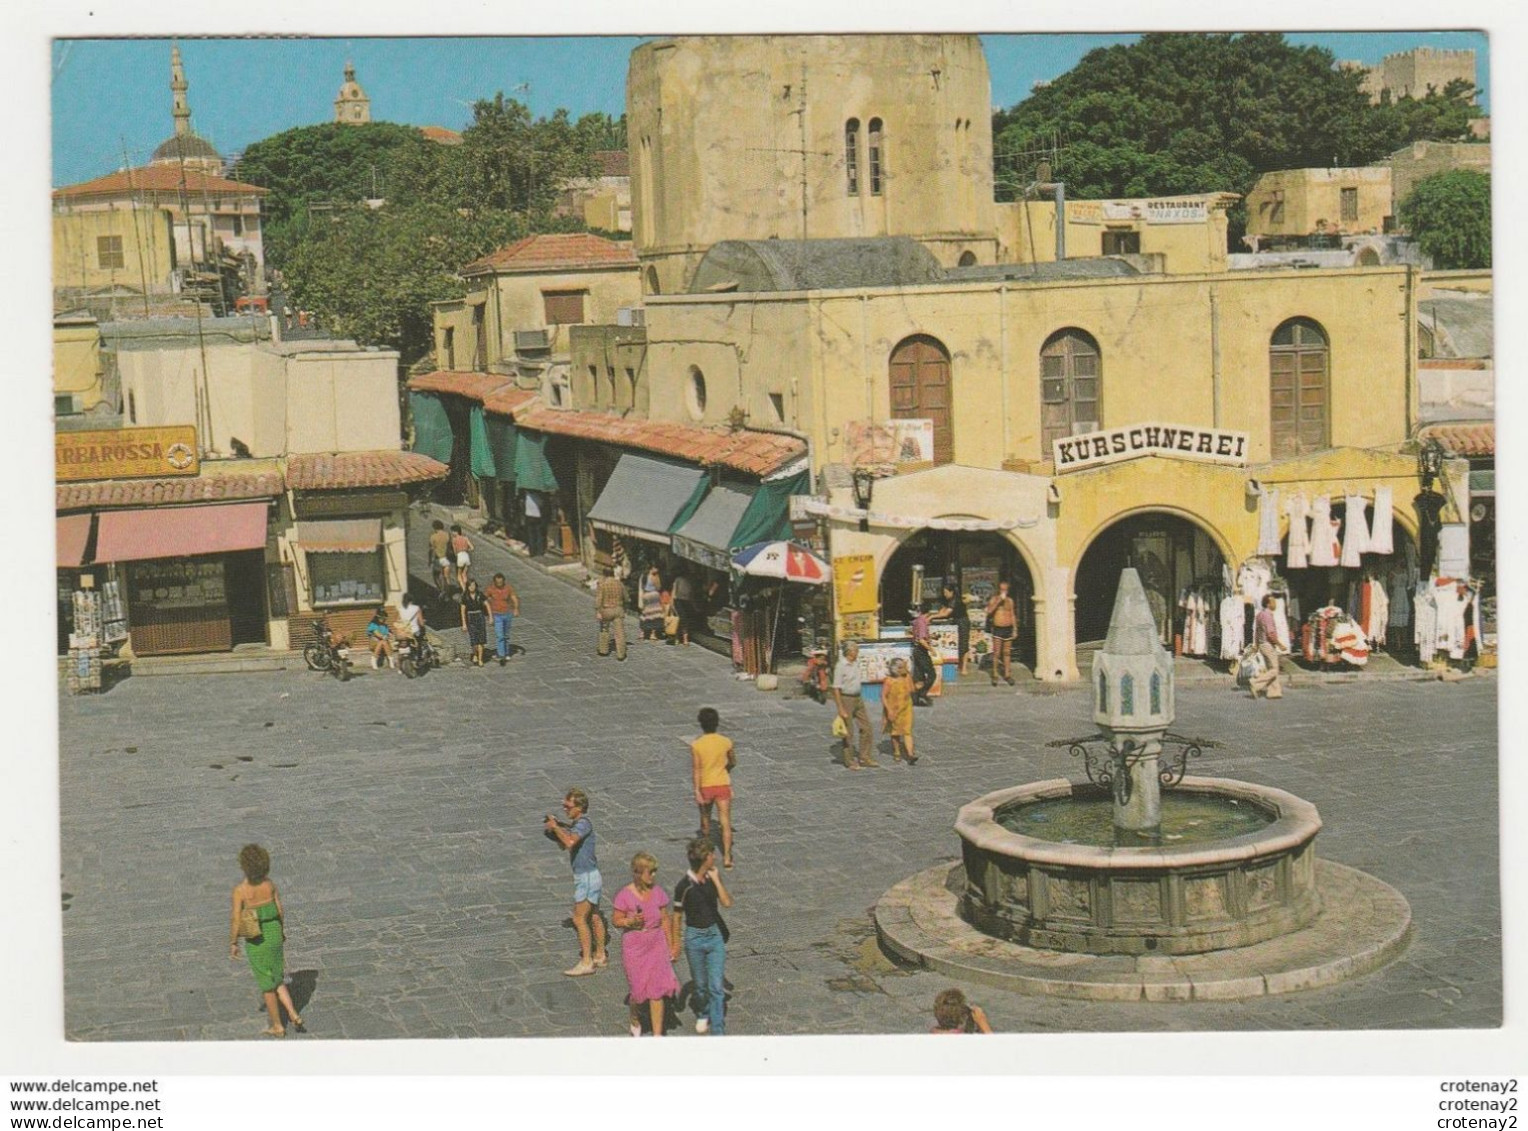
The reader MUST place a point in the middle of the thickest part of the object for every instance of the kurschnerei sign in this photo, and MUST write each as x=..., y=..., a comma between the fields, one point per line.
x=1112, y=445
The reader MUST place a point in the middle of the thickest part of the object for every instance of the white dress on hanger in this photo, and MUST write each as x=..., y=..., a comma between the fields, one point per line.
x=1268, y=524
x=1355, y=532
x=1379, y=611
x=1232, y=620
x=1380, y=539
x=1281, y=615
x=1323, y=533
x=1299, y=533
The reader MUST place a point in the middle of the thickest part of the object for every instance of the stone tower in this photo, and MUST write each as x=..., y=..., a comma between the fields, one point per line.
x=352, y=107
x=184, y=147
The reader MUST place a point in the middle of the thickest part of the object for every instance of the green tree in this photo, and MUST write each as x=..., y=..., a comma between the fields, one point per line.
x=371, y=274
x=329, y=164
x=1175, y=113
x=511, y=162
x=1450, y=216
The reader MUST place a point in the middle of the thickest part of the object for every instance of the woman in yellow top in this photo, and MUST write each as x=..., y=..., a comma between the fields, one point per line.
x=897, y=710
x=711, y=757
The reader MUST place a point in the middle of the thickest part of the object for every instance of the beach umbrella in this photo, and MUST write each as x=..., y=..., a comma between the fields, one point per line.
x=785, y=561
x=782, y=561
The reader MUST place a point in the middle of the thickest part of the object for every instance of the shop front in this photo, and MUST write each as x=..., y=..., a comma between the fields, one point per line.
x=635, y=510
x=193, y=577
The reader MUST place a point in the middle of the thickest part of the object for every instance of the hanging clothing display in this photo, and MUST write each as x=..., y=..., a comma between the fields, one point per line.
x=1355, y=540
x=1200, y=619
x=1381, y=540
x=1451, y=600
x=1268, y=523
x=1252, y=580
x=1298, y=556
x=1233, y=616
x=1331, y=636
x=1324, y=548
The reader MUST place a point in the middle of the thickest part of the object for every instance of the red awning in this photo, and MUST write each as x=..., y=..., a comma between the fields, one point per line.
x=179, y=532
x=71, y=535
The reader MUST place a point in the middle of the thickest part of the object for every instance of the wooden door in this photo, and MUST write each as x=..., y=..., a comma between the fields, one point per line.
x=920, y=390
x=1298, y=390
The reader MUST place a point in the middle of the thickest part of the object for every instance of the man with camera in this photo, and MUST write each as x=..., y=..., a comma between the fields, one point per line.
x=576, y=835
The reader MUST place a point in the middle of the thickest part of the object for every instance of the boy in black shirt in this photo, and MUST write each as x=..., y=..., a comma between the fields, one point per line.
x=705, y=933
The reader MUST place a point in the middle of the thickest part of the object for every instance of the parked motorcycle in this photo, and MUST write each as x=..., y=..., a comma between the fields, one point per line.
x=328, y=653
x=816, y=677
x=416, y=655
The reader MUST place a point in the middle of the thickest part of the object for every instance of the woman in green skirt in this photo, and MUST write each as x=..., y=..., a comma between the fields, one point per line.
x=256, y=893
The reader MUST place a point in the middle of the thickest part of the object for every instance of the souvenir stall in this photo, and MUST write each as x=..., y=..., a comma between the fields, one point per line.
x=770, y=569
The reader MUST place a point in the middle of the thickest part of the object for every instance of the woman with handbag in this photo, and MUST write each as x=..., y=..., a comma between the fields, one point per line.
x=652, y=605
x=650, y=944
x=705, y=935
x=1002, y=620
x=259, y=921
x=475, y=619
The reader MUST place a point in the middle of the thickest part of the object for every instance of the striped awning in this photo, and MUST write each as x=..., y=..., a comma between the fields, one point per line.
x=339, y=535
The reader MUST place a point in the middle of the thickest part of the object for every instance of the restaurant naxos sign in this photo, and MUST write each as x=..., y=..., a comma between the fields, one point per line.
x=1181, y=441
x=125, y=453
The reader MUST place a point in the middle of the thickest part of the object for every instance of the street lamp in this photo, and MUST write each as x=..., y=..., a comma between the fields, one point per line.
x=864, y=491
x=1430, y=461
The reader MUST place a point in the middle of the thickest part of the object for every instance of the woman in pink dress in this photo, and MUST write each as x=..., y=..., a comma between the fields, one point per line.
x=649, y=944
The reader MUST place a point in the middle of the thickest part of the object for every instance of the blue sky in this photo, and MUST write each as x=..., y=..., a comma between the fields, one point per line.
x=112, y=96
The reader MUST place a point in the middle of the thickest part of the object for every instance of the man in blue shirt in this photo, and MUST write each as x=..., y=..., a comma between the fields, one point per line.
x=576, y=835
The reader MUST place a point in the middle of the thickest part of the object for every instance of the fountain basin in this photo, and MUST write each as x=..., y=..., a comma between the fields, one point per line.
x=1167, y=899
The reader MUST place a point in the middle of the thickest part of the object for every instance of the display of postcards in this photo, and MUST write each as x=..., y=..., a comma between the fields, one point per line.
x=946, y=638
x=349, y=588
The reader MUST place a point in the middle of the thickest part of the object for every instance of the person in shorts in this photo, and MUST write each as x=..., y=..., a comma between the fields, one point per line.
x=440, y=556
x=576, y=835
x=712, y=758
x=461, y=548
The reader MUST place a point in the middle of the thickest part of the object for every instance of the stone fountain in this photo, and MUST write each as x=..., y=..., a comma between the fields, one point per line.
x=1142, y=882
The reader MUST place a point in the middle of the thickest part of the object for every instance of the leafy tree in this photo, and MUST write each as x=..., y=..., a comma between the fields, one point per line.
x=330, y=163
x=1175, y=113
x=371, y=274
x=510, y=162
x=600, y=131
x=1450, y=216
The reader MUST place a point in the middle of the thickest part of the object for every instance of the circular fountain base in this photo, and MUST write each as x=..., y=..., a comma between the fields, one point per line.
x=1363, y=925
x=1197, y=890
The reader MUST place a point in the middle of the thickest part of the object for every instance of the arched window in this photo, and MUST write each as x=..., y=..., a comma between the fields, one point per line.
x=967, y=259
x=1070, y=375
x=1298, y=363
x=1156, y=693
x=851, y=155
x=877, y=157
x=1103, y=691
x=920, y=389
x=652, y=280
x=1127, y=694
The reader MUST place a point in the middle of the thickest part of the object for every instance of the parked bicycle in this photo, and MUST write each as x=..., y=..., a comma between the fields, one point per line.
x=328, y=652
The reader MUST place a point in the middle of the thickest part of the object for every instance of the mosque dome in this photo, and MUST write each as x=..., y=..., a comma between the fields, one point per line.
x=188, y=147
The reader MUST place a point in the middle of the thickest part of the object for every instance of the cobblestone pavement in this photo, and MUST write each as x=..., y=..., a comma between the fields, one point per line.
x=404, y=820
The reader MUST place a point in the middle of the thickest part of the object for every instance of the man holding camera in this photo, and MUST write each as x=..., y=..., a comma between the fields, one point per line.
x=576, y=835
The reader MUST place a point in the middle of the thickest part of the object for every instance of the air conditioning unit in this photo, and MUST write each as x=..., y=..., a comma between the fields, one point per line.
x=532, y=341
x=67, y=404
x=623, y=316
x=637, y=315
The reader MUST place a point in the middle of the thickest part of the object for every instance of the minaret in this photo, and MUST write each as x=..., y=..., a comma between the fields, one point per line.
x=352, y=107
x=180, y=109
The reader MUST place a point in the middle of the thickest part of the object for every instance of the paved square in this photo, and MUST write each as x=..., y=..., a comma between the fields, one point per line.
x=404, y=822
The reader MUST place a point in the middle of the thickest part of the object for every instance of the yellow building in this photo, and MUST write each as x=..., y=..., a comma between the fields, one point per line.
x=1179, y=235
x=77, y=368
x=808, y=137
x=523, y=302
x=1307, y=202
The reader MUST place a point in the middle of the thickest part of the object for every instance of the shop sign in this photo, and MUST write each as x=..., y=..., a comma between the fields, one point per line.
x=125, y=453
x=854, y=583
x=889, y=442
x=858, y=626
x=1163, y=211
x=1181, y=441
x=699, y=552
x=336, y=504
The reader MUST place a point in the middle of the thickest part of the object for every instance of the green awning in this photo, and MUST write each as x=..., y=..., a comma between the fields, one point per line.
x=708, y=536
x=768, y=517
x=644, y=495
x=503, y=439
x=482, y=455
x=432, y=427
x=532, y=471
x=1483, y=482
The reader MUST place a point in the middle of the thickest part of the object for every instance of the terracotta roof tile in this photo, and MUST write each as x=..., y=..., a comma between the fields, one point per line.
x=510, y=401
x=158, y=492
x=754, y=453
x=156, y=178
x=460, y=383
x=441, y=135
x=572, y=250
x=1464, y=439
x=342, y=470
